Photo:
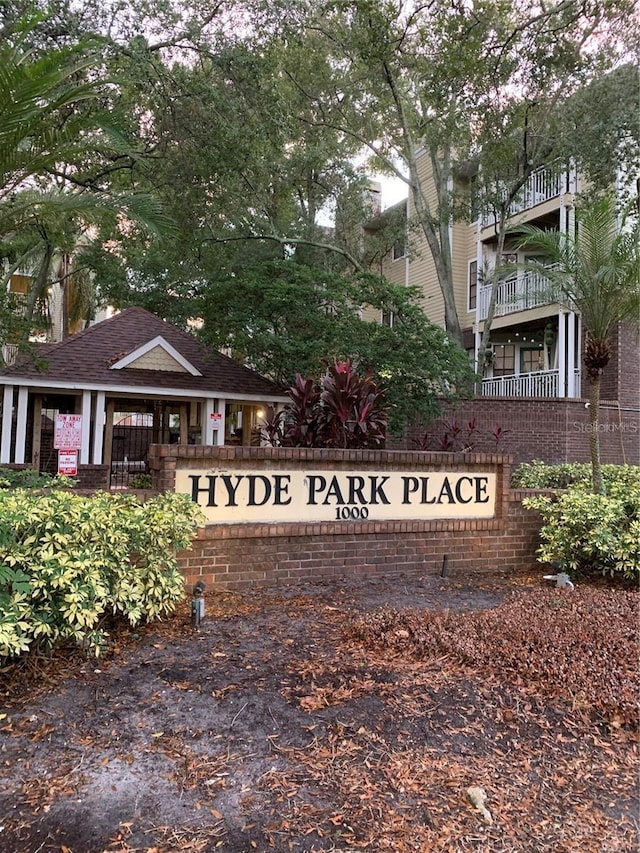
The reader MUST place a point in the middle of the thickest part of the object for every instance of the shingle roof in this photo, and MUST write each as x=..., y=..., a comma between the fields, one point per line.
x=85, y=359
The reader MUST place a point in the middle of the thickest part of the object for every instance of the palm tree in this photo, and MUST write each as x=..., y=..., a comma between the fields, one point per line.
x=58, y=149
x=596, y=272
x=40, y=123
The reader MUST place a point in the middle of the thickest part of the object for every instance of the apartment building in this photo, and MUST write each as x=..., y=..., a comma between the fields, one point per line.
x=534, y=355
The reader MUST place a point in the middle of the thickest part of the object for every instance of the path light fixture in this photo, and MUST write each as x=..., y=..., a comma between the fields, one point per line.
x=197, y=604
x=562, y=579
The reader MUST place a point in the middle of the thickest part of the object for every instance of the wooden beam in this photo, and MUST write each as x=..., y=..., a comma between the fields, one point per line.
x=36, y=446
x=184, y=423
x=108, y=435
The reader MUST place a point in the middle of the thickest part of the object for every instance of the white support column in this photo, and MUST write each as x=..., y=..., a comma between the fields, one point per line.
x=476, y=344
x=86, y=428
x=208, y=407
x=579, y=355
x=98, y=428
x=571, y=354
x=7, y=421
x=562, y=355
x=479, y=275
x=21, y=425
x=221, y=408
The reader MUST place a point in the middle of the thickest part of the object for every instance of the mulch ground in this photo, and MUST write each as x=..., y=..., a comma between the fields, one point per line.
x=281, y=725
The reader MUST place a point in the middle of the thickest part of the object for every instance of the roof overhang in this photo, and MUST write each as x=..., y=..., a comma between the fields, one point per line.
x=140, y=390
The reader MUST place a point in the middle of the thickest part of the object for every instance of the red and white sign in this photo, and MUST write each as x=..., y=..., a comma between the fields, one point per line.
x=215, y=419
x=68, y=462
x=67, y=434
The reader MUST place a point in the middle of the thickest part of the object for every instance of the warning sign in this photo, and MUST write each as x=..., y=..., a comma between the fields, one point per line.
x=67, y=433
x=215, y=419
x=68, y=462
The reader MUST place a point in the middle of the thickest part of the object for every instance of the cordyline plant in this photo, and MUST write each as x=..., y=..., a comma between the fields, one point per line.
x=344, y=410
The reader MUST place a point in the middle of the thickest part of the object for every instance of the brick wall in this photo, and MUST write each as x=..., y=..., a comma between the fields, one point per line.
x=241, y=556
x=628, y=367
x=553, y=430
x=93, y=477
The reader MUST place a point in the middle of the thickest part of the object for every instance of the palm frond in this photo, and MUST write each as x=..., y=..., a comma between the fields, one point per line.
x=595, y=271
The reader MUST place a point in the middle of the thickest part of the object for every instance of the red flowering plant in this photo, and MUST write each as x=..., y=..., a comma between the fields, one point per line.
x=344, y=409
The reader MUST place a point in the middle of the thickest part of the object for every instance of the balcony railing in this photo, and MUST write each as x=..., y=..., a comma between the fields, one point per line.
x=516, y=293
x=541, y=185
x=542, y=383
x=9, y=354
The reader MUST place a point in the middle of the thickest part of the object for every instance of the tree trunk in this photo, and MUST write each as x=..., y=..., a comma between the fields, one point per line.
x=594, y=434
x=495, y=281
x=40, y=283
x=441, y=262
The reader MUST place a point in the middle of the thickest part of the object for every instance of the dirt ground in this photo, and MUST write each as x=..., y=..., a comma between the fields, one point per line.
x=266, y=729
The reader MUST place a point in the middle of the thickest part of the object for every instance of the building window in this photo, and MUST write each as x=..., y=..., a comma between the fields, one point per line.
x=531, y=359
x=386, y=318
x=473, y=285
x=504, y=359
x=399, y=248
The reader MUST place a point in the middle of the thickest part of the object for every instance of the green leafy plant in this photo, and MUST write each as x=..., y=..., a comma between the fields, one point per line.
x=142, y=481
x=27, y=478
x=67, y=561
x=589, y=532
x=541, y=475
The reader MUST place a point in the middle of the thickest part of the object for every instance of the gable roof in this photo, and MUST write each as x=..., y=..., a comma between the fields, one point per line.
x=105, y=356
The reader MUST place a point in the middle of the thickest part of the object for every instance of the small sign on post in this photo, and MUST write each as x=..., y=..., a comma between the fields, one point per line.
x=215, y=419
x=68, y=463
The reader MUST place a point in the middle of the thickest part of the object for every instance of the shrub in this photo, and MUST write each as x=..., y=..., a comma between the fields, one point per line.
x=27, y=478
x=540, y=475
x=587, y=532
x=142, y=481
x=68, y=560
x=343, y=410
x=458, y=438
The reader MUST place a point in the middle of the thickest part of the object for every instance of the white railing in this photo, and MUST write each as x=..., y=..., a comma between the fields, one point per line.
x=9, y=354
x=516, y=293
x=541, y=185
x=577, y=382
x=542, y=383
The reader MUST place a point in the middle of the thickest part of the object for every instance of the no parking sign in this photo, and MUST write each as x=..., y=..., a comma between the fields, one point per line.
x=68, y=462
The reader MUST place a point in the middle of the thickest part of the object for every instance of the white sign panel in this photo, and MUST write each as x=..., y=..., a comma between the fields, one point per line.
x=68, y=462
x=215, y=419
x=67, y=433
x=238, y=496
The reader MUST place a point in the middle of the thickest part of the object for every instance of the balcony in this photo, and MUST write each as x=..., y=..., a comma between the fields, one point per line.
x=516, y=293
x=541, y=185
x=542, y=383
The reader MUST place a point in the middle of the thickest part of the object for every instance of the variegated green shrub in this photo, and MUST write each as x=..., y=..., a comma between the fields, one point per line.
x=541, y=475
x=588, y=532
x=67, y=560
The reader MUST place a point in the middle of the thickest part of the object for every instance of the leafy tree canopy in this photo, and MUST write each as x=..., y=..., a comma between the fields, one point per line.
x=284, y=318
